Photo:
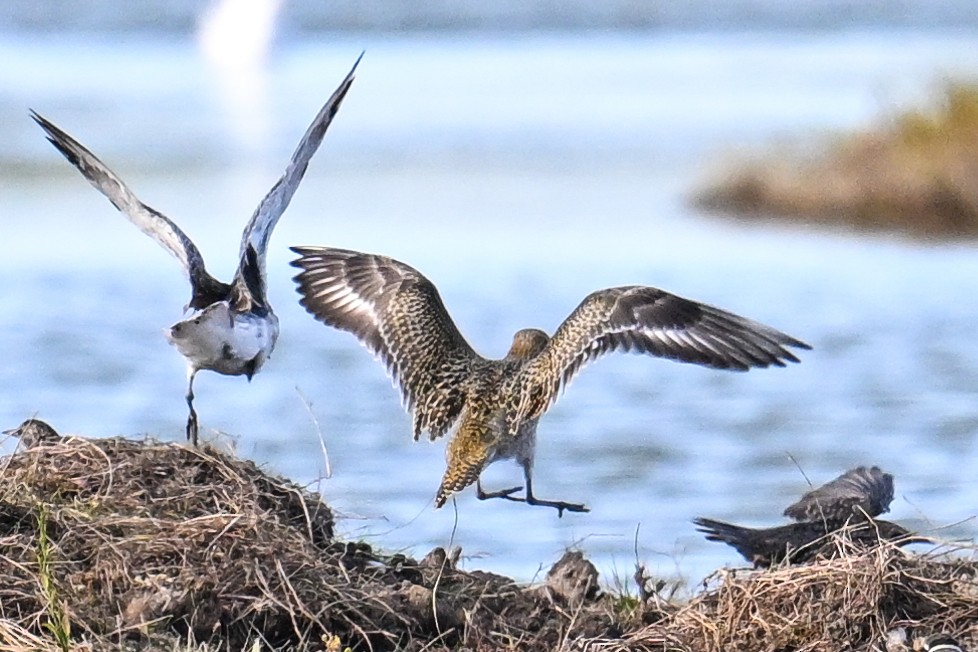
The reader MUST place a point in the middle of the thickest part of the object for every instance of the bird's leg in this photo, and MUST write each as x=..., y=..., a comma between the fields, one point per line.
x=503, y=493
x=192, y=419
x=559, y=505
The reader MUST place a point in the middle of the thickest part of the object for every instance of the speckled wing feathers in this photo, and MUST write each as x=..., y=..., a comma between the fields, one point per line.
x=648, y=320
x=397, y=314
x=259, y=228
x=150, y=221
x=857, y=491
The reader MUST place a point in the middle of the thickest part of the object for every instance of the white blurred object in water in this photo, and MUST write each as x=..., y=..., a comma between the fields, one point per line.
x=235, y=37
x=238, y=33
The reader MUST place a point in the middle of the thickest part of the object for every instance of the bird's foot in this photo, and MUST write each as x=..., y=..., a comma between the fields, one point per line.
x=502, y=493
x=529, y=499
x=559, y=505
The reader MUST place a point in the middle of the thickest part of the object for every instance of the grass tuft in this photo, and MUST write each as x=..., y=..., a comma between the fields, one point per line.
x=915, y=172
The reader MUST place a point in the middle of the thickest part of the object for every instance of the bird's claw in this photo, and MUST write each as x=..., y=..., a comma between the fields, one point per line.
x=502, y=493
x=559, y=505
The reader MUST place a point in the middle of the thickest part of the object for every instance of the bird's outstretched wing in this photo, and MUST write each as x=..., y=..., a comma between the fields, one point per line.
x=396, y=313
x=206, y=289
x=258, y=231
x=648, y=320
x=858, y=491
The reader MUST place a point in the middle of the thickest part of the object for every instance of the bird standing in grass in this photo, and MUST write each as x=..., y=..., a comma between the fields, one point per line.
x=34, y=432
x=493, y=406
x=232, y=330
x=851, y=502
x=801, y=542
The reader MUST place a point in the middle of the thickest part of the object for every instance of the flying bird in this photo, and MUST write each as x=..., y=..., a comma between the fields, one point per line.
x=492, y=406
x=801, y=542
x=859, y=491
x=232, y=329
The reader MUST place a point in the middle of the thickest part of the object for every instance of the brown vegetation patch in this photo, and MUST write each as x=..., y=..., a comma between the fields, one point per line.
x=124, y=542
x=845, y=603
x=917, y=173
x=120, y=544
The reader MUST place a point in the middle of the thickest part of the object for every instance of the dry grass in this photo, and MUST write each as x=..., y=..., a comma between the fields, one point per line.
x=129, y=545
x=916, y=173
x=124, y=542
x=845, y=603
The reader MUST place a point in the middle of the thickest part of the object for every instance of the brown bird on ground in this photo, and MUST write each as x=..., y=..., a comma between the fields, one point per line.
x=493, y=406
x=34, y=432
x=850, y=501
x=861, y=491
x=801, y=542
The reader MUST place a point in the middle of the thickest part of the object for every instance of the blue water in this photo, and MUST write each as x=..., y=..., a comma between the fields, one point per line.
x=519, y=173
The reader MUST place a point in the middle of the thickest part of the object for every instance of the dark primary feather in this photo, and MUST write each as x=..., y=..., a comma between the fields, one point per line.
x=259, y=228
x=248, y=290
x=206, y=288
x=857, y=491
x=396, y=313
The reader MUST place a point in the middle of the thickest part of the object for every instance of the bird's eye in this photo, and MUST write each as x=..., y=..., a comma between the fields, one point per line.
x=197, y=321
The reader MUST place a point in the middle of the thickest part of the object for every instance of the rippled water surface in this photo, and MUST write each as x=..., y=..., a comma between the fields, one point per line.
x=519, y=174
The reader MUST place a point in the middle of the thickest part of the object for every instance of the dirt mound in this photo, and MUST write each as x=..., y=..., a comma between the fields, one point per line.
x=139, y=545
x=121, y=541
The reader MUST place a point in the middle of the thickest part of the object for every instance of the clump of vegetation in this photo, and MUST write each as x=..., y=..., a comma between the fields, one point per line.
x=845, y=603
x=916, y=173
x=138, y=545
x=129, y=544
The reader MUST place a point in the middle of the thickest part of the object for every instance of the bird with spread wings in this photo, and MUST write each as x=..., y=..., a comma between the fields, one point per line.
x=233, y=329
x=493, y=406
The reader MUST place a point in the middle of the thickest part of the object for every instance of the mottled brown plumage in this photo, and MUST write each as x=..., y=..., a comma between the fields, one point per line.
x=34, y=432
x=494, y=405
x=859, y=491
x=801, y=542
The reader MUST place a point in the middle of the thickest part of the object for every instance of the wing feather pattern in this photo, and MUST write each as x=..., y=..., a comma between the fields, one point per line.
x=258, y=231
x=647, y=320
x=398, y=314
x=206, y=289
x=858, y=490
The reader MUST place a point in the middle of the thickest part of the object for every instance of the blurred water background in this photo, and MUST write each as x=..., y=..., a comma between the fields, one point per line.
x=521, y=154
